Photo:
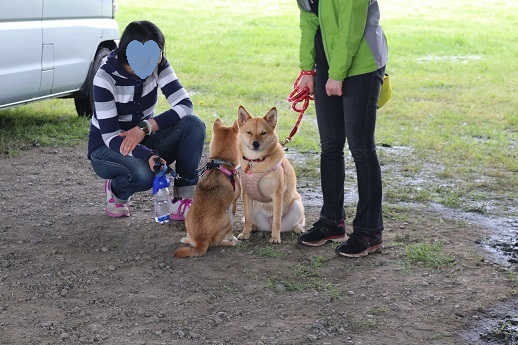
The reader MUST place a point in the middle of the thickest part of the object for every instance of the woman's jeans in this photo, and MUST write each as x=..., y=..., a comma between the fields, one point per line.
x=182, y=143
x=351, y=117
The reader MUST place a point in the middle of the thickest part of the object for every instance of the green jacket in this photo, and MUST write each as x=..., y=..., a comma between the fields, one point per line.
x=354, y=41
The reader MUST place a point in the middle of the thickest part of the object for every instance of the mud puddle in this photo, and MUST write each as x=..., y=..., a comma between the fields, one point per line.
x=501, y=239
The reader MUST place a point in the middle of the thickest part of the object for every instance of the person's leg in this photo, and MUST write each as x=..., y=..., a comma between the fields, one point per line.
x=126, y=175
x=182, y=144
x=360, y=100
x=331, y=127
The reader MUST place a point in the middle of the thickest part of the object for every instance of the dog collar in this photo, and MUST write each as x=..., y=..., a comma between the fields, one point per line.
x=252, y=161
x=255, y=160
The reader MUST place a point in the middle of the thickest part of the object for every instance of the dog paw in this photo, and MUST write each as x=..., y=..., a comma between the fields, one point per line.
x=185, y=240
x=228, y=243
x=243, y=236
x=275, y=240
x=298, y=229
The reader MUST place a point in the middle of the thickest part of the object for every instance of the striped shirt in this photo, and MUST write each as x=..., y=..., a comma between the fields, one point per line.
x=122, y=100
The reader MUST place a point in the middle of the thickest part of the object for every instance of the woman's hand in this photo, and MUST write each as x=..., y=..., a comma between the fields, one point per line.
x=307, y=80
x=132, y=138
x=334, y=87
x=151, y=162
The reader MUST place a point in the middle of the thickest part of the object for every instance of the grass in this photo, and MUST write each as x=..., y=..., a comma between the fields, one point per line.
x=304, y=276
x=427, y=254
x=49, y=123
x=268, y=251
x=453, y=71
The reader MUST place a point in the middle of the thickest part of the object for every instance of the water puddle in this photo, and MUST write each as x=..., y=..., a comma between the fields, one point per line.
x=501, y=242
x=499, y=327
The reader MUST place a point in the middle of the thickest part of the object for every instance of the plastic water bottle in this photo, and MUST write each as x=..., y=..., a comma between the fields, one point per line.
x=162, y=198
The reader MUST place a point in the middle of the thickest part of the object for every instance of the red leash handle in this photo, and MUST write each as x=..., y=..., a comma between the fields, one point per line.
x=297, y=96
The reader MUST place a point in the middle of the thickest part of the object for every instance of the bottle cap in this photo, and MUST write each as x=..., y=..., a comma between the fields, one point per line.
x=160, y=181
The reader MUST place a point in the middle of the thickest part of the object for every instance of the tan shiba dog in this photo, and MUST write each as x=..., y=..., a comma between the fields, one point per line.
x=270, y=199
x=210, y=219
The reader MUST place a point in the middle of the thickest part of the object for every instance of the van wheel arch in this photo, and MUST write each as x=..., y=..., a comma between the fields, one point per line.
x=84, y=99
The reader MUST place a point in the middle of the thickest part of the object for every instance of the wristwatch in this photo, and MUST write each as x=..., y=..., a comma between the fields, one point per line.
x=145, y=126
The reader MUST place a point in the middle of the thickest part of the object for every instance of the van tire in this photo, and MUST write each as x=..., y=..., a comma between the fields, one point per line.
x=85, y=105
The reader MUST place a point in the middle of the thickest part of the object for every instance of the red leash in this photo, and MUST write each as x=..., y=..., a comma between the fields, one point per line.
x=298, y=96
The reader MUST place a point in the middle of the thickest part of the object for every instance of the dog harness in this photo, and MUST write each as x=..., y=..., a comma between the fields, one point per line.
x=250, y=180
x=218, y=164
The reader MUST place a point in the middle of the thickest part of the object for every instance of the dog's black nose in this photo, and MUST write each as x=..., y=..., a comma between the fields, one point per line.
x=256, y=144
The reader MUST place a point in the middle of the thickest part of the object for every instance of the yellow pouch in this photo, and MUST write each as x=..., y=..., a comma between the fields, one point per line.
x=386, y=91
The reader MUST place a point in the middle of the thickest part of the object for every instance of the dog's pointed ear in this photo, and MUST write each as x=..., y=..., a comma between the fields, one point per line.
x=235, y=126
x=271, y=117
x=217, y=123
x=242, y=116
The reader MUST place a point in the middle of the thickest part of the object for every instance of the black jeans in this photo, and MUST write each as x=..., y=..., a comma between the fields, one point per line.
x=351, y=117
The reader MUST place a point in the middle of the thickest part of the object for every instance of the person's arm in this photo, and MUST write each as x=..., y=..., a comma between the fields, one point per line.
x=176, y=95
x=308, y=29
x=106, y=110
x=352, y=17
x=108, y=120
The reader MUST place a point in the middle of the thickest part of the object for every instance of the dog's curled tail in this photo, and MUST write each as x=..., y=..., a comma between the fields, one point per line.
x=184, y=252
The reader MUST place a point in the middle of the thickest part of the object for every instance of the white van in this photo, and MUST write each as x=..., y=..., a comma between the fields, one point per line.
x=53, y=48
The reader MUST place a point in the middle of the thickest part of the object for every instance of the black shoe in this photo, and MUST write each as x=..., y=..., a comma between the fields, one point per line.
x=321, y=233
x=360, y=244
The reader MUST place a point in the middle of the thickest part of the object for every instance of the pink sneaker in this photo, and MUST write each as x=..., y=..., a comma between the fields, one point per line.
x=114, y=209
x=180, y=208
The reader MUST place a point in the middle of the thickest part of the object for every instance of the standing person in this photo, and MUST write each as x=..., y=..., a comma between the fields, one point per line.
x=343, y=53
x=125, y=136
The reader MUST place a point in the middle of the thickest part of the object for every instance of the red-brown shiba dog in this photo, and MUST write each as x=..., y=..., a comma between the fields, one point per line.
x=210, y=219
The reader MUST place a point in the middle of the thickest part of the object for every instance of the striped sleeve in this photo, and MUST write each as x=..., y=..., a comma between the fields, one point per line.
x=177, y=97
x=106, y=119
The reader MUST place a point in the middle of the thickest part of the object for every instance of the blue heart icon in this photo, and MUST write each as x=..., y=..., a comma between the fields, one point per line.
x=143, y=58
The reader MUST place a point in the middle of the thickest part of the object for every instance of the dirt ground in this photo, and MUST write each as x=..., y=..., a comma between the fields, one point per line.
x=69, y=274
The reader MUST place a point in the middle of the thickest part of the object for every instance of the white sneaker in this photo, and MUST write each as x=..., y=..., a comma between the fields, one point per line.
x=114, y=209
x=180, y=208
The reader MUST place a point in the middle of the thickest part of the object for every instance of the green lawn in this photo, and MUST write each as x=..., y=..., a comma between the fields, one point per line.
x=453, y=68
